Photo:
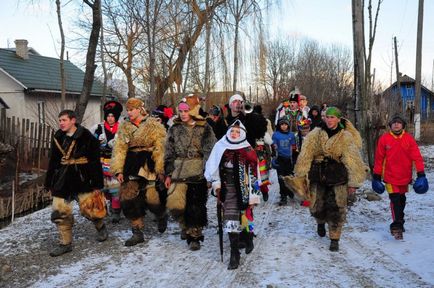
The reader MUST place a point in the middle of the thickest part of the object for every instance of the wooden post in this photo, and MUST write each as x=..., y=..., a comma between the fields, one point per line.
x=398, y=77
x=13, y=201
x=417, y=99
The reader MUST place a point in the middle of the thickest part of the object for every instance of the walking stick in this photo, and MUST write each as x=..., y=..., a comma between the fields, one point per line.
x=220, y=224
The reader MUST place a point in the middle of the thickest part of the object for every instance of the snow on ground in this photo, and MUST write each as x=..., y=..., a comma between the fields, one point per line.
x=288, y=252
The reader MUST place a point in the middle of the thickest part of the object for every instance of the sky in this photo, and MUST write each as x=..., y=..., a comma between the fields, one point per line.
x=326, y=21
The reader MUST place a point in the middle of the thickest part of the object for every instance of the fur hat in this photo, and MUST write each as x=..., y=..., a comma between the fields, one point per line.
x=112, y=107
x=397, y=118
x=135, y=103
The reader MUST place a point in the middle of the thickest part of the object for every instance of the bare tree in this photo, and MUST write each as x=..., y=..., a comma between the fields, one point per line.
x=62, y=55
x=90, y=59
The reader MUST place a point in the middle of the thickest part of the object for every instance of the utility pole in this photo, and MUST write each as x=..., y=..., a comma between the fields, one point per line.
x=398, y=78
x=359, y=63
x=418, y=72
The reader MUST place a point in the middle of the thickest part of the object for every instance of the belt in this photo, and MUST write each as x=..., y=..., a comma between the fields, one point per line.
x=81, y=160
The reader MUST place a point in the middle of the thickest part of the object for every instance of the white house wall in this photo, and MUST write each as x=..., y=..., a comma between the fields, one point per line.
x=26, y=106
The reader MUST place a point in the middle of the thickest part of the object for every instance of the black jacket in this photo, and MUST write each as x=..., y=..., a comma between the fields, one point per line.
x=67, y=181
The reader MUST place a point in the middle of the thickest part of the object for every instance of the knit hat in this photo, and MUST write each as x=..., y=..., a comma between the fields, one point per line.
x=397, y=118
x=334, y=111
x=283, y=120
x=215, y=110
x=135, y=103
x=235, y=97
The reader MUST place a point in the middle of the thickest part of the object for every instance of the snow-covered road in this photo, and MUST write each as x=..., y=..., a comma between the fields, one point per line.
x=287, y=253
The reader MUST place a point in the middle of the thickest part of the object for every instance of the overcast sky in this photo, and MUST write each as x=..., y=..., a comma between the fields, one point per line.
x=326, y=21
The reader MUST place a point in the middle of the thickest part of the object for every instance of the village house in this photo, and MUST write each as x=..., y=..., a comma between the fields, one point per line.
x=408, y=93
x=30, y=86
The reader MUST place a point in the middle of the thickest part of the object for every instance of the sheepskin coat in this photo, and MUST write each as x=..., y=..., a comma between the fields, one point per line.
x=184, y=142
x=343, y=147
x=149, y=135
x=68, y=180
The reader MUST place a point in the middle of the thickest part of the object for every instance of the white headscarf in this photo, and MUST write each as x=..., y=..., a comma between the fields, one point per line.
x=212, y=165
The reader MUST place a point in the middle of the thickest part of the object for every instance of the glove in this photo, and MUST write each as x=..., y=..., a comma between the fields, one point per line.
x=420, y=186
x=377, y=185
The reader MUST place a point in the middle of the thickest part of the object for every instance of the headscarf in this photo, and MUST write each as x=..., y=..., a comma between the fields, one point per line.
x=225, y=143
x=135, y=103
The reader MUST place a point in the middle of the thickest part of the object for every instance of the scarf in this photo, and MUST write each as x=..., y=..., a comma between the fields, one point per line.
x=212, y=165
x=113, y=129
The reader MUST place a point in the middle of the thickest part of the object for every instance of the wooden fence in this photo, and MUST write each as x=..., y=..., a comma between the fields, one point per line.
x=31, y=142
x=30, y=139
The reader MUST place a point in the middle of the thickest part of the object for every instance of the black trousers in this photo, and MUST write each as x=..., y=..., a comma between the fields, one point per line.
x=397, y=206
x=285, y=169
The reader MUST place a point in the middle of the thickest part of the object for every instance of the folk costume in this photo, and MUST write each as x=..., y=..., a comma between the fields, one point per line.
x=332, y=161
x=138, y=155
x=232, y=170
x=105, y=133
x=75, y=173
x=188, y=145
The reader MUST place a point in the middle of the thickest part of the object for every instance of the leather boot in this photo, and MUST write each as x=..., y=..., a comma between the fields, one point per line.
x=60, y=250
x=102, y=233
x=334, y=245
x=321, y=230
x=249, y=242
x=116, y=216
x=162, y=223
x=234, y=261
x=136, y=238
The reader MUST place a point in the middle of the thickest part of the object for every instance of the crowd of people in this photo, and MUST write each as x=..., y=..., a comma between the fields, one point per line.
x=170, y=163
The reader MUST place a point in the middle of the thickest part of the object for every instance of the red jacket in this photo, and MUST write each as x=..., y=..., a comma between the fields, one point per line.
x=395, y=156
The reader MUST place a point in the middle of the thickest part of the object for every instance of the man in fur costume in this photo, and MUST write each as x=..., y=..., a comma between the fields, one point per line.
x=231, y=171
x=255, y=123
x=105, y=132
x=137, y=162
x=75, y=173
x=330, y=158
x=188, y=145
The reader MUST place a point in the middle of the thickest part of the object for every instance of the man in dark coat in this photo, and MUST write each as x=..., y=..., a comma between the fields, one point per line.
x=75, y=173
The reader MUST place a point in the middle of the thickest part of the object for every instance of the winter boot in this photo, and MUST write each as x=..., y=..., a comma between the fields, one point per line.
x=102, y=233
x=321, y=230
x=249, y=242
x=136, y=238
x=242, y=240
x=184, y=234
x=116, y=216
x=283, y=200
x=397, y=233
x=162, y=223
x=334, y=245
x=234, y=261
x=60, y=250
x=194, y=245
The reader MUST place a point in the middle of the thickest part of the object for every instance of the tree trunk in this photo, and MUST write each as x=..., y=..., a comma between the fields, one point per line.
x=62, y=55
x=90, y=60
x=235, y=75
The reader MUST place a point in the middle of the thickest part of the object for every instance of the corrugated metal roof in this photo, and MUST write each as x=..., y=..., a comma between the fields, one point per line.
x=43, y=73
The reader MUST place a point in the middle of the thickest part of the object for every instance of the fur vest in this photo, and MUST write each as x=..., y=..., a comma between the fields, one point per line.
x=67, y=180
x=147, y=138
x=185, y=143
x=343, y=147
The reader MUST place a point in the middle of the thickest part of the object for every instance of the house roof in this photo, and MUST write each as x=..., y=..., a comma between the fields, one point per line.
x=43, y=73
x=405, y=79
